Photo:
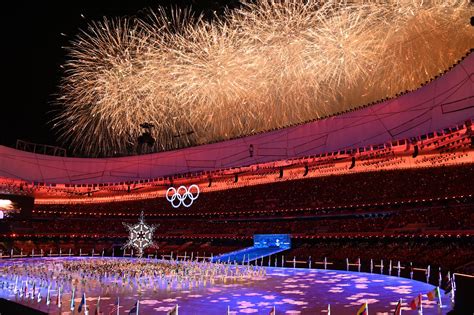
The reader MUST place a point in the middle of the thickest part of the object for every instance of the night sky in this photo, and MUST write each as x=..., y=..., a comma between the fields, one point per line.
x=32, y=53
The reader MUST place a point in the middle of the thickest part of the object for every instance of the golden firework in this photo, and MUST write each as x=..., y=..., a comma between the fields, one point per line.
x=264, y=65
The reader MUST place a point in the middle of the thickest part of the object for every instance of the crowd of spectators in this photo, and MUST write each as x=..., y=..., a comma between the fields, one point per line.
x=330, y=191
x=419, y=215
x=451, y=217
x=449, y=253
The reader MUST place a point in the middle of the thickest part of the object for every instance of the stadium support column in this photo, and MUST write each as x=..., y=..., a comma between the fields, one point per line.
x=469, y=132
x=306, y=169
x=414, y=142
x=353, y=162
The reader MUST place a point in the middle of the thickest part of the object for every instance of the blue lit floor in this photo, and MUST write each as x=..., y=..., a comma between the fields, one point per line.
x=291, y=291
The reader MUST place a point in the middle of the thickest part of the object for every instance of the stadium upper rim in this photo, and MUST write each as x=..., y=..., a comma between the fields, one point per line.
x=444, y=101
x=349, y=110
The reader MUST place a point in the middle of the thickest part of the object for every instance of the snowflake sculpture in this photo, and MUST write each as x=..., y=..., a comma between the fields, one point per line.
x=141, y=235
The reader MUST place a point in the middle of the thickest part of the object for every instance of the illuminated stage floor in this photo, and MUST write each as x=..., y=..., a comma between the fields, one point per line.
x=291, y=291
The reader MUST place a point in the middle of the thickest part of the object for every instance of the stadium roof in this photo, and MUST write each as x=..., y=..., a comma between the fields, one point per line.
x=445, y=101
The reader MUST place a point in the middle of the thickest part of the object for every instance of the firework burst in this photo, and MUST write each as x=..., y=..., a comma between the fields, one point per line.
x=264, y=65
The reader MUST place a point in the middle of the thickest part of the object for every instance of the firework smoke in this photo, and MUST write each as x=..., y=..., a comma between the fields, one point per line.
x=265, y=65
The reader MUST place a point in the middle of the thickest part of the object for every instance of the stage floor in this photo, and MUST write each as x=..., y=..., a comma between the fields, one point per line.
x=291, y=291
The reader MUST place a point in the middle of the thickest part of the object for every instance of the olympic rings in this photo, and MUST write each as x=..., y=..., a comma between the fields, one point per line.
x=183, y=195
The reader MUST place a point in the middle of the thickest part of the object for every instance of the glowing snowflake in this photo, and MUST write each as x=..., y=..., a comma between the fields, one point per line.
x=141, y=235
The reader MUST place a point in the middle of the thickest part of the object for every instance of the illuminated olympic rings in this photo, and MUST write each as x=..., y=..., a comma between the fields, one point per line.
x=182, y=196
